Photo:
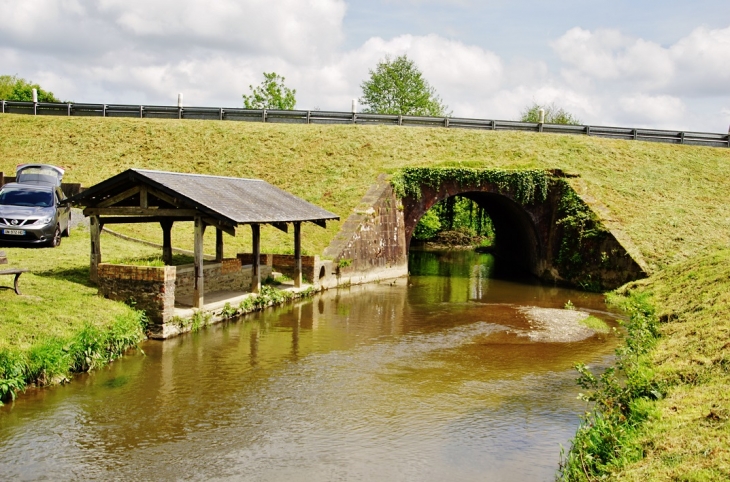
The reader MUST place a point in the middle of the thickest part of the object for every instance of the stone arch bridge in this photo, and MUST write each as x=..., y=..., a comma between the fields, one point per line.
x=542, y=226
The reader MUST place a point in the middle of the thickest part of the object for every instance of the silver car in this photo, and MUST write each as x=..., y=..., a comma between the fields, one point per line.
x=34, y=210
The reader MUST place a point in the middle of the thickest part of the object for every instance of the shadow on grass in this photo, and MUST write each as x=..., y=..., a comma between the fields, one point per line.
x=78, y=275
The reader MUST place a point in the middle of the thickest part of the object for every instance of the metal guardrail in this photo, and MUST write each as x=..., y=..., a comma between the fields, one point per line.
x=331, y=117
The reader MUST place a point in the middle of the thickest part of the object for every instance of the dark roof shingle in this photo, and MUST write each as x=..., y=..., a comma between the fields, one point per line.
x=241, y=201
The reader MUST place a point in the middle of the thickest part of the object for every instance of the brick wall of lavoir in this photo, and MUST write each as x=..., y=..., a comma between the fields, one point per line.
x=148, y=288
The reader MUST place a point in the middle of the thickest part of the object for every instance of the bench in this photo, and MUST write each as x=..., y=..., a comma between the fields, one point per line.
x=14, y=271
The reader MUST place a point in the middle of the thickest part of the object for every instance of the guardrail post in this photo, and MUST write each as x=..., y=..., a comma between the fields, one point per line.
x=635, y=134
x=35, y=102
x=68, y=110
x=263, y=115
x=681, y=137
x=588, y=130
x=141, y=111
x=494, y=125
x=309, y=117
x=400, y=120
x=221, y=114
x=103, y=110
x=446, y=122
x=3, y=107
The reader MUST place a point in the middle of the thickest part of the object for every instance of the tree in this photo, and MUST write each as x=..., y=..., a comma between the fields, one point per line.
x=553, y=115
x=13, y=87
x=398, y=87
x=271, y=94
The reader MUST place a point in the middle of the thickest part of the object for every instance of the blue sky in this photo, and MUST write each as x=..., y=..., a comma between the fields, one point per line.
x=523, y=27
x=644, y=64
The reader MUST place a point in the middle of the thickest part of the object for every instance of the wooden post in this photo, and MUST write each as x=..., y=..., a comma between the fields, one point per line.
x=166, y=241
x=95, y=258
x=143, y=197
x=256, y=278
x=218, y=245
x=198, y=263
x=298, y=254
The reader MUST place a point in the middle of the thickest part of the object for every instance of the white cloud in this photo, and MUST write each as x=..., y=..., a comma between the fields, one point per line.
x=130, y=51
x=659, y=108
x=292, y=29
x=695, y=65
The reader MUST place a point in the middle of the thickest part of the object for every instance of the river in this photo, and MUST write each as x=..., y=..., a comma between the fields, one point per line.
x=445, y=375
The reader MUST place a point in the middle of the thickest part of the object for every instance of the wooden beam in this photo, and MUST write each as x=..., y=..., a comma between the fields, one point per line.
x=218, y=225
x=166, y=241
x=119, y=197
x=142, y=219
x=281, y=226
x=137, y=211
x=164, y=197
x=95, y=255
x=298, y=254
x=256, y=278
x=198, y=291
x=218, y=245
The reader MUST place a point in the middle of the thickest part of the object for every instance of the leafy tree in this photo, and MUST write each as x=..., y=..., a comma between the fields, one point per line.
x=398, y=87
x=456, y=213
x=271, y=94
x=13, y=87
x=553, y=115
x=428, y=226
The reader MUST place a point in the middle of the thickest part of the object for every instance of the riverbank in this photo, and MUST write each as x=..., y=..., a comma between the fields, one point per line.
x=665, y=413
x=60, y=326
x=669, y=200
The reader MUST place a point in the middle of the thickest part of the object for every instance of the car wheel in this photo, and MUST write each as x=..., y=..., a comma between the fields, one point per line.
x=56, y=239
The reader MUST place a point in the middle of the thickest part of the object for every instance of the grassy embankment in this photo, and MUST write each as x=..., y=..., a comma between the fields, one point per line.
x=670, y=200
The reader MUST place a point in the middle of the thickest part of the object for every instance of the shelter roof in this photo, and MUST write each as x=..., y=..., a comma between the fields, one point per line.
x=229, y=199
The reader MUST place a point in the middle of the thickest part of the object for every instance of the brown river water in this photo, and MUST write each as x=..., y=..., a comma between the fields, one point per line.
x=448, y=375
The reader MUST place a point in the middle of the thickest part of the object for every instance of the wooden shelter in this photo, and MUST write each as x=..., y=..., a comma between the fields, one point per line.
x=225, y=203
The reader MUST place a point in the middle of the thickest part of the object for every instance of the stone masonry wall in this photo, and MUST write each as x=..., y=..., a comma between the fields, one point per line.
x=371, y=244
x=228, y=275
x=286, y=264
x=151, y=288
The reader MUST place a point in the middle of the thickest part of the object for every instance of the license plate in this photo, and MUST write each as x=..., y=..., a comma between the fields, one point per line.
x=17, y=232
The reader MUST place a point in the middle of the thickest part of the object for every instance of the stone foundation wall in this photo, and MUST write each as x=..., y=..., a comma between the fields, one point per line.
x=228, y=275
x=151, y=288
x=372, y=243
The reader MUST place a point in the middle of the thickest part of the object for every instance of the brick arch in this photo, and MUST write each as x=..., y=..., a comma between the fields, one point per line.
x=522, y=232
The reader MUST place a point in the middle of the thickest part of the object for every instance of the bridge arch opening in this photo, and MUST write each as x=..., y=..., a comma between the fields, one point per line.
x=516, y=243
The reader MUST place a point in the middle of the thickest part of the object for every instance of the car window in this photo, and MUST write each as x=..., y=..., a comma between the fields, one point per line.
x=18, y=197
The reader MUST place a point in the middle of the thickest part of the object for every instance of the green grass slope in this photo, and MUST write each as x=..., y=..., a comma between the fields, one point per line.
x=669, y=199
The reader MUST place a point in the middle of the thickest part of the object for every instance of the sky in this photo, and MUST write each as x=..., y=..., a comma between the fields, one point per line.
x=657, y=64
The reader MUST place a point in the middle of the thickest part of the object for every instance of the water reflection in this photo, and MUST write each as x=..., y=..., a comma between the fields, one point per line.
x=423, y=379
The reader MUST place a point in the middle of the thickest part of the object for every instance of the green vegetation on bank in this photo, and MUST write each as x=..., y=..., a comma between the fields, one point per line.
x=60, y=325
x=664, y=412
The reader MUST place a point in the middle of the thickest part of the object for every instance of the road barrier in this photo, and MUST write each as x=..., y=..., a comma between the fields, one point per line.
x=332, y=117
